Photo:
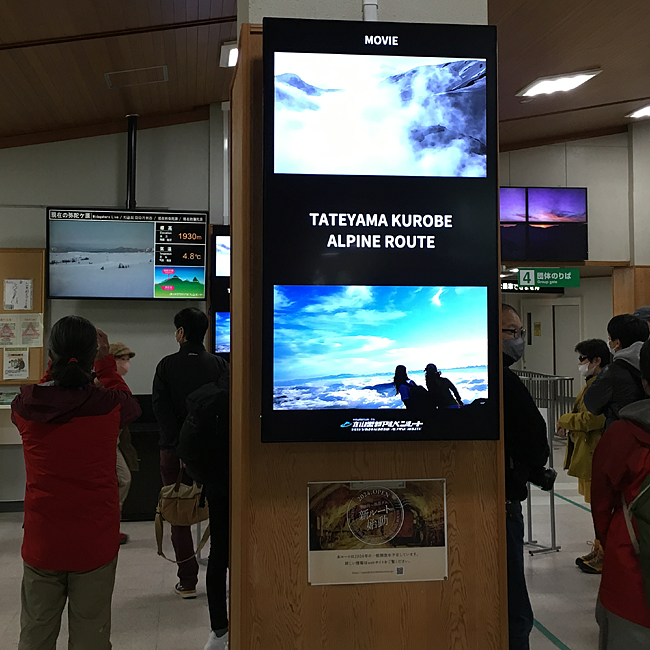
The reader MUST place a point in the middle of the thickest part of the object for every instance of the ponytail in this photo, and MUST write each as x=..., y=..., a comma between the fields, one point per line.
x=73, y=347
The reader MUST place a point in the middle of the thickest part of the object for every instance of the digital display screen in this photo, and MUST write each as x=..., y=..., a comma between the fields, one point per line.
x=337, y=347
x=557, y=204
x=380, y=232
x=222, y=256
x=543, y=224
x=222, y=332
x=126, y=254
x=379, y=115
x=512, y=204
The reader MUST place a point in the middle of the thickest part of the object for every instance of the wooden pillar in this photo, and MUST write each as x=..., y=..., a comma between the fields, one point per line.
x=630, y=288
x=272, y=606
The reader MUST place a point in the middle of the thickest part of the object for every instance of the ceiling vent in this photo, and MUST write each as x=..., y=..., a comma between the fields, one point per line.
x=137, y=77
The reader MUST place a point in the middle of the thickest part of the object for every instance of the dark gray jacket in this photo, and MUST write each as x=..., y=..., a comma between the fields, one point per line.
x=178, y=375
x=617, y=385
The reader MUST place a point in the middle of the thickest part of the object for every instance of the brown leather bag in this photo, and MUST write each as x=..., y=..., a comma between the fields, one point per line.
x=180, y=505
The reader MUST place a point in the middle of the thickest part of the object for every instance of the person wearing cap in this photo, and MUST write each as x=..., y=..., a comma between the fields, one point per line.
x=127, y=456
x=643, y=313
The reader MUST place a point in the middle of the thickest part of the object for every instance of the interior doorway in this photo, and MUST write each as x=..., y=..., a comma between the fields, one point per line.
x=553, y=327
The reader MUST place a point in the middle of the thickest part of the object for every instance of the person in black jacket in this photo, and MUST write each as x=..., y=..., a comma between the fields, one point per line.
x=178, y=375
x=526, y=449
x=204, y=448
x=619, y=384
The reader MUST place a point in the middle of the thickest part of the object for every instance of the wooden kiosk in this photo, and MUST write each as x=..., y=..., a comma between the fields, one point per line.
x=272, y=606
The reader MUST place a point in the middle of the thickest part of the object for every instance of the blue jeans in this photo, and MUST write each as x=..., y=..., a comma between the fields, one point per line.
x=520, y=612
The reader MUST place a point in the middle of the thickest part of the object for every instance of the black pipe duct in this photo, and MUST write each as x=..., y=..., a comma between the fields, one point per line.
x=132, y=121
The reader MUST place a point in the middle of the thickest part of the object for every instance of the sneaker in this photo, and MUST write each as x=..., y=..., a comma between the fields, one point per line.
x=183, y=592
x=595, y=549
x=217, y=642
x=124, y=538
x=595, y=565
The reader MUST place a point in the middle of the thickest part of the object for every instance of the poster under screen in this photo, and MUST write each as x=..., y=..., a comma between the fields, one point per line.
x=380, y=232
x=123, y=254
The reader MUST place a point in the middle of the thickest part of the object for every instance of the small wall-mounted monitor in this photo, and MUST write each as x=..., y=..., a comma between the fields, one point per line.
x=553, y=227
x=220, y=290
x=104, y=253
x=222, y=332
x=512, y=204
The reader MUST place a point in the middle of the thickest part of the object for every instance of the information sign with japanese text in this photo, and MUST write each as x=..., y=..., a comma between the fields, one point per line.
x=377, y=531
x=549, y=277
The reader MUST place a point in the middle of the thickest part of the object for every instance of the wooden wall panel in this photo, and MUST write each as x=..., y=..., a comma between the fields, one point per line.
x=272, y=605
x=630, y=288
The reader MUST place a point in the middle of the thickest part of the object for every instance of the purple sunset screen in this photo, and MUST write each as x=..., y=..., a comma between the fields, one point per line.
x=512, y=204
x=557, y=205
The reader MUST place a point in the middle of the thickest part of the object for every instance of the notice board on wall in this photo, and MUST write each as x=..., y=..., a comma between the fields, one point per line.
x=22, y=280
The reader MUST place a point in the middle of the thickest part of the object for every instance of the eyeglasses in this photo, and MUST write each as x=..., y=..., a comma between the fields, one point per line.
x=516, y=332
x=582, y=358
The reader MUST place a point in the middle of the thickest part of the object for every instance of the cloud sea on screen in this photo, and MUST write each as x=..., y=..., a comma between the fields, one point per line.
x=379, y=115
x=337, y=346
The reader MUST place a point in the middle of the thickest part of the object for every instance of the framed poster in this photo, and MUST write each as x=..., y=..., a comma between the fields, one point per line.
x=380, y=232
x=377, y=531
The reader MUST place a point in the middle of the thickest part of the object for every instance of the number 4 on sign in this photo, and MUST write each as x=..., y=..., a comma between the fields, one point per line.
x=526, y=278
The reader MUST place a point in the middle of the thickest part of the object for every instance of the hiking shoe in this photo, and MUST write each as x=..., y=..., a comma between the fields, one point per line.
x=595, y=549
x=217, y=642
x=124, y=538
x=595, y=565
x=184, y=592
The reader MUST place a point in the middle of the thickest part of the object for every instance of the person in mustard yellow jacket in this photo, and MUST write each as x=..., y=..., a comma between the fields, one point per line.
x=583, y=430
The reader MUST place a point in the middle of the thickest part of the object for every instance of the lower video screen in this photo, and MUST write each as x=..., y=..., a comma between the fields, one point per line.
x=365, y=347
x=222, y=332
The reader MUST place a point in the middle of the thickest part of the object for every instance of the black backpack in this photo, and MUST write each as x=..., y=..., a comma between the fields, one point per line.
x=204, y=438
x=418, y=396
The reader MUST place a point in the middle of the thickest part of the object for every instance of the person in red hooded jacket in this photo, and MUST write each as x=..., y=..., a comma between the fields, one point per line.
x=69, y=429
x=621, y=462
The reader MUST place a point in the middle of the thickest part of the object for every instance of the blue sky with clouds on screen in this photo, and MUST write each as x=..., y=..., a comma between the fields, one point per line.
x=322, y=331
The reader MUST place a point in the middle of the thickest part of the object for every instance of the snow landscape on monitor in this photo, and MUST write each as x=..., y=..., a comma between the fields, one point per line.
x=110, y=274
x=379, y=115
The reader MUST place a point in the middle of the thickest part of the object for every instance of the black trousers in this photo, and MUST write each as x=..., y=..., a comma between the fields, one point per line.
x=215, y=580
x=520, y=612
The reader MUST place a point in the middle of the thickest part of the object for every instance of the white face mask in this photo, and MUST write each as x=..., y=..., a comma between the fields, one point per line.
x=584, y=369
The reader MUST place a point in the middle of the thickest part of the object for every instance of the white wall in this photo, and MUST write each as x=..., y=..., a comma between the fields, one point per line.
x=416, y=11
x=173, y=171
x=597, y=306
x=599, y=164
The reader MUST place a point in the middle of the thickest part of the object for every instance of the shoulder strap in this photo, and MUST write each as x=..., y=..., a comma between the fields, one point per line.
x=630, y=527
x=159, y=540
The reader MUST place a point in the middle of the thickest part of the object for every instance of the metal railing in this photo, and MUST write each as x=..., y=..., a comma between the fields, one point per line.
x=553, y=397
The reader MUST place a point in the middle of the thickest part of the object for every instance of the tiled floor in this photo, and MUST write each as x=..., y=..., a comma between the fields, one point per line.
x=147, y=615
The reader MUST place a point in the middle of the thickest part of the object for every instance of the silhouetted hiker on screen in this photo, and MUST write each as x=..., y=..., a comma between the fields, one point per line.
x=442, y=392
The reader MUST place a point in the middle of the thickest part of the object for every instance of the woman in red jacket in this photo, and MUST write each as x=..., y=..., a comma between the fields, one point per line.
x=69, y=429
x=621, y=462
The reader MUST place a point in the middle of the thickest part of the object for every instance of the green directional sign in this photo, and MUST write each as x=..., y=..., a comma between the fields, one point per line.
x=549, y=277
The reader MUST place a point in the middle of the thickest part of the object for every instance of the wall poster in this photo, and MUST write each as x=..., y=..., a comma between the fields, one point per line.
x=15, y=363
x=380, y=232
x=377, y=531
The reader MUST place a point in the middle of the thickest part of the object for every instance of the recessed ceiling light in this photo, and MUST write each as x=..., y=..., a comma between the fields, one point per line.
x=642, y=112
x=229, y=55
x=557, y=83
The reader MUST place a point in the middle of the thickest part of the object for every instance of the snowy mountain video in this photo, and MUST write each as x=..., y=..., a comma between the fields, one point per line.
x=337, y=347
x=371, y=115
x=101, y=259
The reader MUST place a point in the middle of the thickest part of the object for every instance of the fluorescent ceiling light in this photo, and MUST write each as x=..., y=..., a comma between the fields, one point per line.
x=229, y=54
x=642, y=112
x=557, y=83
